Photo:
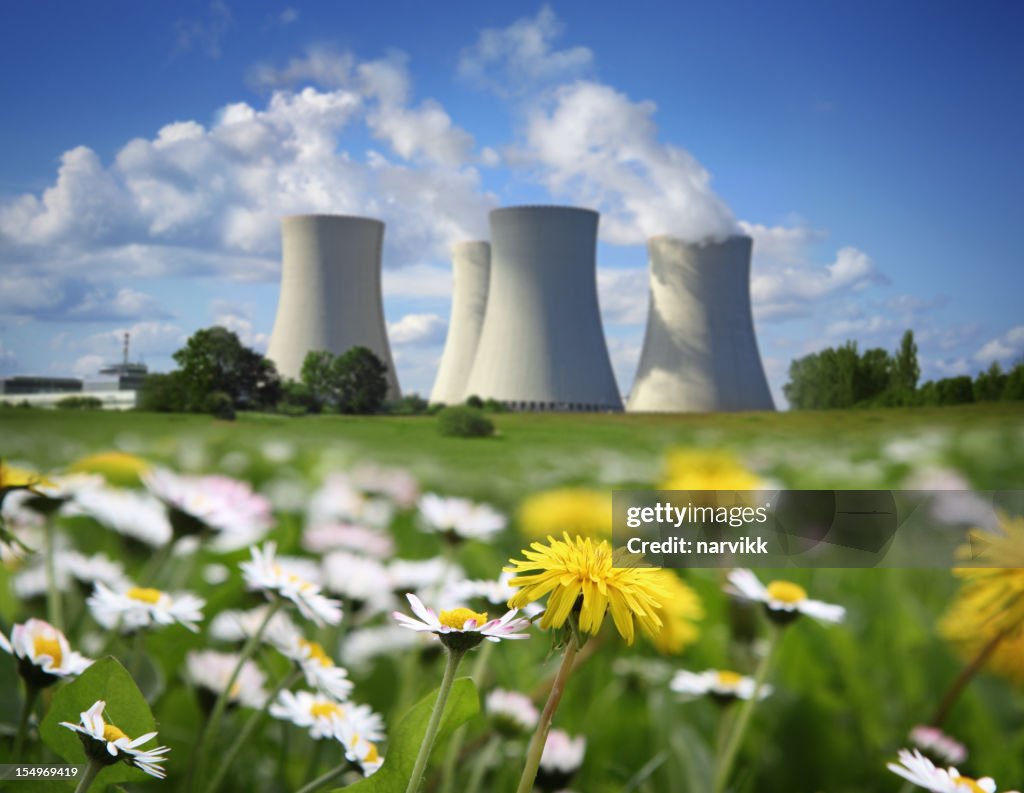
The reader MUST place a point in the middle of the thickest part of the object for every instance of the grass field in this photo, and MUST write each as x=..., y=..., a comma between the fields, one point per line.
x=845, y=695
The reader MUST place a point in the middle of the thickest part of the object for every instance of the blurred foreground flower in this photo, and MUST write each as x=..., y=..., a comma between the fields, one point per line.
x=918, y=769
x=511, y=711
x=784, y=601
x=575, y=510
x=561, y=759
x=266, y=574
x=574, y=568
x=722, y=685
x=458, y=519
x=118, y=468
x=105, y=744
x=135, y=607
x=938, y=746
x=706, y=469
x=138, y=516
x=43, y=653
x=210, y=672
x=318, y=667
x=680, y=608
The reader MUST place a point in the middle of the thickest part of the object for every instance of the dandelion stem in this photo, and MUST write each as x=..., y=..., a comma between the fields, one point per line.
x=540, y=737
x=90, y=774
x=254, y=720
x=53, y=600
x=31, y=695
x=210, y=728
x=732, y=747
x=324, y=779
x=966, y=675
x=454, y=658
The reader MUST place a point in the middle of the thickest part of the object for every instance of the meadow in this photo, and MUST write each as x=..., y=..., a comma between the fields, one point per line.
x=844, y=695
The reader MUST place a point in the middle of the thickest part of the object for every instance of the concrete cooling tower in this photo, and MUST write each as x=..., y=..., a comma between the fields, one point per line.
x=542, y=345
x=330, y=292
x=471, y=269
x=700, y=352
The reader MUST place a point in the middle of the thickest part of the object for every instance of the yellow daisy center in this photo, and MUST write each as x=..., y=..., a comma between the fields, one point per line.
x=963, y=782
x=44, y=645
x=112, y=733
x=729, y=679
x=291, y=578
x=372, y=756
x=457, y=618
x=787, y=592
x=324, y=710
x=316, y=652
x=145, y=594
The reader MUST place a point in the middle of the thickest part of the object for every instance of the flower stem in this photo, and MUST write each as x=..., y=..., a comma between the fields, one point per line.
x=732, y=747
x=454, y=658
x=91, y=771
x=54, y=611
x=483, y=656
x=31, y=695
x=210, y=728
x=254, y=720
x=540, y=737
x=966, y=675
x=324, y=779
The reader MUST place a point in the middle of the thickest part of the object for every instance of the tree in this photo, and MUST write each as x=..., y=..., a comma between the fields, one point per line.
x=954, y=390
x=990, y=384
x=361, y=381
x=1014, y=388
x=905, y=369
x=165, y=393
x=317, y=375
x=215, y=360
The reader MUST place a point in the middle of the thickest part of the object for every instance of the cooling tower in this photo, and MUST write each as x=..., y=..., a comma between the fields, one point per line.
x=542, y=346
x=330, y=292
x=471, y=269
x=700, y=352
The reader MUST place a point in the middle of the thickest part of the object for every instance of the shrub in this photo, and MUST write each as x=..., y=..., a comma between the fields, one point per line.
x=80, y=403
x=474, y=401
x=164, y=393
x=464, y=422
x=220, y=405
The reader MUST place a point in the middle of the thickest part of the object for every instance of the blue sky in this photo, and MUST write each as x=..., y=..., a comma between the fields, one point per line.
x=872, y=150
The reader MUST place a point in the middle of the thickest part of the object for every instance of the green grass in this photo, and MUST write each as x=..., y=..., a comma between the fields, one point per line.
x=846, y=695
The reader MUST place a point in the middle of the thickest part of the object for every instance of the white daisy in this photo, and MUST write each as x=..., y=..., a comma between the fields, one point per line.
x=323, y=537
x=362, y=581
x=358, y=750
x=318, y=667
x=362, y=646
x=563, y=754
x=784, y=601
x=229, y=507
x=143, y=607
x=266, y=574
x=514, y=712
x=237, y=626
x=396, y=484
x=918, y=769
x=210, y=671
x=339, y=499
x=459, y=518
x=938, y=746
x=324, y=716
x=138, y=516
x=428, y=576
x=719, y=683
x=51, y=493
x=107, y=744
x=69, y=566
x=461, y=628
x=43, y=653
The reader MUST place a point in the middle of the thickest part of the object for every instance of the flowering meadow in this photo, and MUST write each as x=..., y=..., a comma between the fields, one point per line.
x=335, y=603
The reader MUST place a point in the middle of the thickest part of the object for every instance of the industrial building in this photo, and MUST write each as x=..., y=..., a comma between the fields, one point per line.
x=542, y=345
x=700, y=351
x=471, y=267
x=330, y=292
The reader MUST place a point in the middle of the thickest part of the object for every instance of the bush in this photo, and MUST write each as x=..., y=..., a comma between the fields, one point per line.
x=409, y=405
x=494, y=406
x=474, y=401
x=220, y=405
x=80, y=403
x=165, y=393
x=297, y=399
x=464, y=422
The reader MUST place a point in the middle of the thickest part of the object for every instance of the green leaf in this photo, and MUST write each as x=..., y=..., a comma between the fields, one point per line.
x=463, y=704
x=126, y=708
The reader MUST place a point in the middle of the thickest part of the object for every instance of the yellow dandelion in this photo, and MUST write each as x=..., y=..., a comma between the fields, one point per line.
x=118, y=468
x=991, y=599
x=577, y=510
x=706, y=469
x=579, y=572
x=681, y=607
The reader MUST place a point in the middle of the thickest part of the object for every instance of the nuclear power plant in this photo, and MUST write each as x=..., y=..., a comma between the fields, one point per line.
x=700, y=350
x=330, y=292
x=542, y=345
x=471, y=269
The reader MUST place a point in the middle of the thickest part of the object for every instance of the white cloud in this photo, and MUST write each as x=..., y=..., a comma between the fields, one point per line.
x=88, y=366
x=8, y=359
x=418, y=329
x=320, y=65
x=623, y=295
x=205, y=33
x=147, y=339
x=238, y=319
x=289, y=15
x=597, y=147
x=515, y=58
x=1007, y=348
x=48, y=296
x=418, y=282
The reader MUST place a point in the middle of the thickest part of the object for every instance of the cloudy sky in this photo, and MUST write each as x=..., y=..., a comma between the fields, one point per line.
x=873, y=151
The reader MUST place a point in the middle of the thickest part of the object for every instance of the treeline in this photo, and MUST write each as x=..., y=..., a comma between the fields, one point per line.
x=843, y=377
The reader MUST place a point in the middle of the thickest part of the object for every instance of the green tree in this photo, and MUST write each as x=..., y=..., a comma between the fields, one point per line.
x=905, y=369
x=318, y=376
x=954, y=390
x=165, y=393
x=990, y=384
x=361, y=381
x=215, y=360
x=1014, y=388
